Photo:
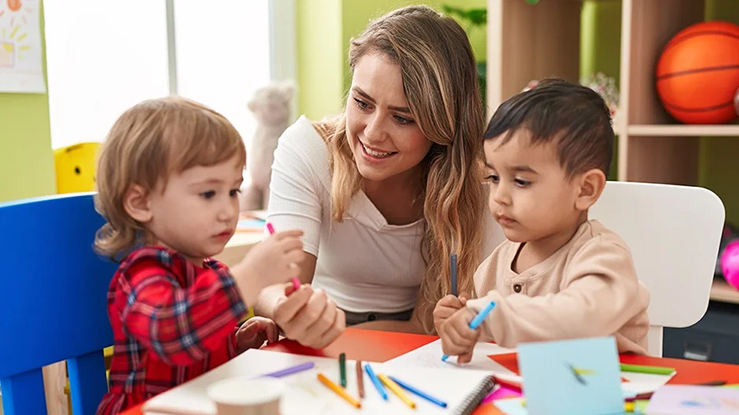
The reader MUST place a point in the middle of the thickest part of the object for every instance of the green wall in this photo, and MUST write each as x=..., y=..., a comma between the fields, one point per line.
x=600, y=42
x=324, y=29
x=357, y=14
x=719, y=170
x=600, y=47
x=26, y=161
x=320, y=53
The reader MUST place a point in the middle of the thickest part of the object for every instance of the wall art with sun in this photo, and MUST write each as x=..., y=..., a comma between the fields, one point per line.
x=21, y=64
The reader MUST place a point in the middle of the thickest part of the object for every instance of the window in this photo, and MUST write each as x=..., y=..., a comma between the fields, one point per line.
x=223, y=54
x=103, y=57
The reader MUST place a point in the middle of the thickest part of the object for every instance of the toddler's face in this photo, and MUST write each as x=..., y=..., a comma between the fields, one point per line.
x=196, y=214
x=530, y=194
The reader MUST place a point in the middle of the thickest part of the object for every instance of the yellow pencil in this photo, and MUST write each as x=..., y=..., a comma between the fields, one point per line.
x=396, y=390
x=339, y=391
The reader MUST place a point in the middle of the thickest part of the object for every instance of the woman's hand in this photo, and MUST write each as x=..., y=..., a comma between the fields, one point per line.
x=308, y=316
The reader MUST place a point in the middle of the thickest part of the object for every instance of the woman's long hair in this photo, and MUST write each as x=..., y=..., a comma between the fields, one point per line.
x=440, y=84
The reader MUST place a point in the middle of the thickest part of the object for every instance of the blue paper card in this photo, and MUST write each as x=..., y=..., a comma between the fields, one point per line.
x=572, y=377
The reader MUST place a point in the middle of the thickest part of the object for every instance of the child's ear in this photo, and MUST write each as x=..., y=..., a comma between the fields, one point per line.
x=136, y=204
x=592, y=183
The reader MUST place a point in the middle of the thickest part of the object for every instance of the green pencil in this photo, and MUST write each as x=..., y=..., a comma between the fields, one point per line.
x=652, y=370
x=342, y=368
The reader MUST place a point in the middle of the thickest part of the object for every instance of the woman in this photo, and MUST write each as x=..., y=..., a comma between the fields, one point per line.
x=389, y=189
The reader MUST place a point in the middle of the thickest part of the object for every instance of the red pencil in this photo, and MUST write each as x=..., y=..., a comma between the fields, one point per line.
x=296, y=281
x=360, y=379
x=508, y=383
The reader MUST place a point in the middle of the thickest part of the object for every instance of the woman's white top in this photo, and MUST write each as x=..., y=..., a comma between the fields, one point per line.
x=363, y=263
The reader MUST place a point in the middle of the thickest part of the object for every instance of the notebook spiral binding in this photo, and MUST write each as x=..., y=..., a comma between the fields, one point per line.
x=472, y=401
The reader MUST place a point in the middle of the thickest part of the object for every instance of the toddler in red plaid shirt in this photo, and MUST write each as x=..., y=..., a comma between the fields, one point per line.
x=168, y=180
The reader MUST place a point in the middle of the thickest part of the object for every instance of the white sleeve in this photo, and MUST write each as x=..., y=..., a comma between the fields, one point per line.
x=295, y=191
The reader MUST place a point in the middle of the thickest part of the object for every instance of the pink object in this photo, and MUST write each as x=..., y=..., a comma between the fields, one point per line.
x=270, y=228
x=730, y=264
x=502, y=392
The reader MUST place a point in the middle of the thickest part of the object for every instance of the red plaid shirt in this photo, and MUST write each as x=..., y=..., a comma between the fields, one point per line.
x=171, y=320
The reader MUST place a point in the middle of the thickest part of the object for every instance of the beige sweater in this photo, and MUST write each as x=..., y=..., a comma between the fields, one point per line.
x=588, y=288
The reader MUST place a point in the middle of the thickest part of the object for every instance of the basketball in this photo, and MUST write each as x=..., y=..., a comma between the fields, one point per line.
x=698, y=73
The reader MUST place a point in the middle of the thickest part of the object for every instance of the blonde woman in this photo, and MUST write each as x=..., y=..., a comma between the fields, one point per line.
x=388, y=190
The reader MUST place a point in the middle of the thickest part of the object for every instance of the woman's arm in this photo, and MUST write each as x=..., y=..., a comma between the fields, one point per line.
x=296, y=195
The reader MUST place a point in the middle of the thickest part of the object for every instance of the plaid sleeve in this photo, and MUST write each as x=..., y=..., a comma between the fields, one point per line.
x=181, y=325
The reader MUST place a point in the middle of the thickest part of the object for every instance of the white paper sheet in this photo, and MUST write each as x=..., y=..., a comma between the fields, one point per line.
x=639, y=383
x=429, y=356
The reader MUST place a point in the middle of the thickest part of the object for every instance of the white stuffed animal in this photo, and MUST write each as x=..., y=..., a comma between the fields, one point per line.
x=271, y=108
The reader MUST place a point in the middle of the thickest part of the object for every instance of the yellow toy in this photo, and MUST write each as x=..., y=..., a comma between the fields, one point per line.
x=75, y=167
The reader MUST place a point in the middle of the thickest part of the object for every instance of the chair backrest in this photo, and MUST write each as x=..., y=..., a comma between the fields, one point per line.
x=52, y=301
x=674, y=234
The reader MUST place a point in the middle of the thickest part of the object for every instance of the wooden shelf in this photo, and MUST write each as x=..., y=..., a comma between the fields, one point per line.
x=723, y=292
x=662, y=130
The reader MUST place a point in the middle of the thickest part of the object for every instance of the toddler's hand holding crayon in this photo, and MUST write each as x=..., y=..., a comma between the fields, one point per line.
x=446, y=307
x=457, y=338
x=273, y=261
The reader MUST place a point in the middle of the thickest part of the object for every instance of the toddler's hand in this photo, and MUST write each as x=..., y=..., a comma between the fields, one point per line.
x=273, y=261
x=446, y=307
x=457, y=338
x=254, y=332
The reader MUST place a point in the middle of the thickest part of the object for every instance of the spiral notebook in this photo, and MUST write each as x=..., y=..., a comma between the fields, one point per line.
x=461, y=390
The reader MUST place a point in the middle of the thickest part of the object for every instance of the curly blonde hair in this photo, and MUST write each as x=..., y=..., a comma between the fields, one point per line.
x=440, y=84
x=148, y=143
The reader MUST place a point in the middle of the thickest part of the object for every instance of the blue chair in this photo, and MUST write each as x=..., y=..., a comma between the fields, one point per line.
x=52, y=301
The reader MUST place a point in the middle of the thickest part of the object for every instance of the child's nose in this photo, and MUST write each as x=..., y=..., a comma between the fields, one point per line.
x=228, y=211
x=501, y=195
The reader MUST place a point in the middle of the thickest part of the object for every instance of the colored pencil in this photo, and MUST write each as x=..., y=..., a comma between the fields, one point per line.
x=417, y=392
x=342, y=369
x=339, y=390
x=375, y=381
x=453, y=265
x=270, y=228
x=475, y=323
x=396, y=390
x=291, y=370
x=652, y=370
x=360, y=379
x=511, y=384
